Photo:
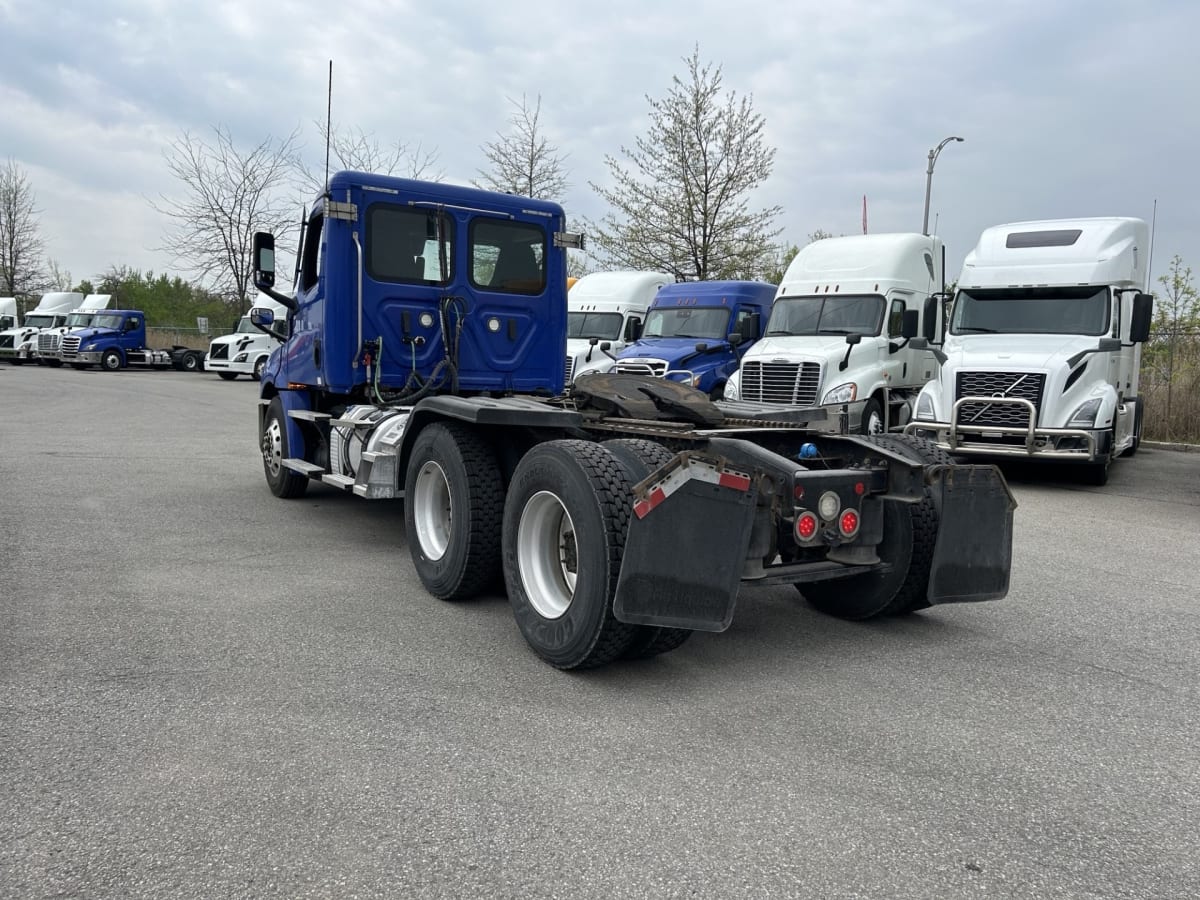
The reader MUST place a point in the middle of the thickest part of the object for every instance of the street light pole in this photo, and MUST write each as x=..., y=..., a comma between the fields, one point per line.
x=933, y=155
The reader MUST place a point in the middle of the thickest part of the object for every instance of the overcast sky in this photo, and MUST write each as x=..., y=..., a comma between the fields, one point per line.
x=1068, y=107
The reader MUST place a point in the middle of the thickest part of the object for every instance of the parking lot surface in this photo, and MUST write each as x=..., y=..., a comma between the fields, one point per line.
x=209, y=692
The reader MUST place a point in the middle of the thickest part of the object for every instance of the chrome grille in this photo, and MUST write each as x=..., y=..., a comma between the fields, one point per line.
x=1023, y=385
x=570, y=371
x=654, y=367
x=70, y=345
x=48, y=343
x=793, y=384
x=218, y=351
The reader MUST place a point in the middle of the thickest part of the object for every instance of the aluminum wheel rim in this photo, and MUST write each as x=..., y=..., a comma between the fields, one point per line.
x=272, y=447
x=432, y=510
x=875, y=424
x=547, y=555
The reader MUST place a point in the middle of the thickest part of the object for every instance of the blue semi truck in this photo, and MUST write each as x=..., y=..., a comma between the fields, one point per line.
x=424, y=361
x=697, y=332
x=116, y=339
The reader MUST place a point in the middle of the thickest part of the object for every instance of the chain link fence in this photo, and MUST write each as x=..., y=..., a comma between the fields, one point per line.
x=1170, y=386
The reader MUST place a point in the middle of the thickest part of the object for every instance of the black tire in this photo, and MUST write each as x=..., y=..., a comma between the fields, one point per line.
x=639, y=458
x=872, y=418
x=191, y=362
x=258, y=368
x=1139, y=409
x=453, y=507
x=227, y=376
x=273, y=442
x=909, y=534
x=54, y=363
x=16, y=361
x=110, y=360
x=565, y=521
x=81, y=366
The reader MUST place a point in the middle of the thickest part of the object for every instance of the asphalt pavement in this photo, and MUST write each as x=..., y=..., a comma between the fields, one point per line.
x=208, y=692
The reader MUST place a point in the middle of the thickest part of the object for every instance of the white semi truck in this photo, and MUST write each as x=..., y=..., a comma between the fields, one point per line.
x=840, y=329
x=1043, y=345
x=8, y=313
x=49, y=340
x=19, y=345
x=605, y=313
x=245, y=351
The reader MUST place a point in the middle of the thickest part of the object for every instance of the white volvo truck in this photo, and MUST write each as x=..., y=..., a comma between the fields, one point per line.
x=1043, y=347
x=245, y=351
x=8, y=313
x=840, y=329
x=605, y=312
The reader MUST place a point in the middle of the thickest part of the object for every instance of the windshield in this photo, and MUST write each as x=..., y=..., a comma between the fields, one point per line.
x=106, y=321
x=79, y=320
x=32, y=321
x=1070, y=310
x=843, y=314
x=245, y=326
x=687, y=322
x=606, y=326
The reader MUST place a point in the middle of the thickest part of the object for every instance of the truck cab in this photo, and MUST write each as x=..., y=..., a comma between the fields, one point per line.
x=19, y=344
x=1043, y=346
x=605, y=313
x=697, y=332
x=245, y=351
x=840, y=327
x=49, y=340
x=8, y=313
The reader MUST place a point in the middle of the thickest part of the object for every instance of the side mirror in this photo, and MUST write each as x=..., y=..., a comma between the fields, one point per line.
x=749, y=327
x=633, y=329
x=933, y=306
x=592, y=342
x=1142, y=318
x=734, y=338
x=264, y=260
x=606, y=346
x=910, y=327
x=853, y=339
x=261, y=317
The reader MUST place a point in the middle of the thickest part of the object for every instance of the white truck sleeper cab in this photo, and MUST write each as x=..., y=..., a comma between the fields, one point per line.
x=1043, y=346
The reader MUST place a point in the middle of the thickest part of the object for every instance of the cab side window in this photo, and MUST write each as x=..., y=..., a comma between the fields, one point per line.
x=896, y=319
x=310, y=261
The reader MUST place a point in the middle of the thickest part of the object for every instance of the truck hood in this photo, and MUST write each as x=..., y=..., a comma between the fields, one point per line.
x=817, y=347
x=89, y=333
x=670, y=349
x=1014, y=351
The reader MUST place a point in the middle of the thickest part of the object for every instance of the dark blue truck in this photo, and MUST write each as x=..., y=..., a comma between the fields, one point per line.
x=426, y=335
x=116, y=339
x=697, y=332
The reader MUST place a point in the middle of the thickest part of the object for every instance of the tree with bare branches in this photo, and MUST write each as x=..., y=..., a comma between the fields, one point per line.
x=228, y=195
x=362, y=152
x=523, y=161
x=681, y=202
x=21, y=267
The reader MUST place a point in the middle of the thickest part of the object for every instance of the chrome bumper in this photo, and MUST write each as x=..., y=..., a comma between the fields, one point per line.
x=1037, y=443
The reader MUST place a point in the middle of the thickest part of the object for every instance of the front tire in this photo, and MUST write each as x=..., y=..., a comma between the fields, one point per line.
x=273, y=442
x=565, y=521
x=227, y=376
x=191, y=362
x=110, y=360
x=54, y=363
x=258, y=368
x=453, y=505
x=872, y=418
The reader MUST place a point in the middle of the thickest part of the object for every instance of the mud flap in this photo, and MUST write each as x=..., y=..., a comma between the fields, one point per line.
x=973, y=553
x=686, y=546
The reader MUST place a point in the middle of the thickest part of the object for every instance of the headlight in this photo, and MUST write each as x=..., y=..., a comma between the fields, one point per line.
x=695, y=382
x=1085, y=416
x=925, y=409
x=733, y=388
x=241, y=357
x=843, y=393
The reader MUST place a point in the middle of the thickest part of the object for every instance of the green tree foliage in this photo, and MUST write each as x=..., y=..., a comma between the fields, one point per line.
x=168, y=302
x=681, y=202
x=1171, y=359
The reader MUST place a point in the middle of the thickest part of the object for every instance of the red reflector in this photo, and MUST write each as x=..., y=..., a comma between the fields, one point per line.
x=806, y=526
x=849, y=522
x=860, y=488
x=799, y=492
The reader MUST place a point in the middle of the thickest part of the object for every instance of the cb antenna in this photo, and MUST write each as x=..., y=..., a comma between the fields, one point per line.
x=1150, y=259
x=328, y=125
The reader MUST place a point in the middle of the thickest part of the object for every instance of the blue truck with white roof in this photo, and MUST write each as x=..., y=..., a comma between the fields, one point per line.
x=424, y=360
x=697, y=332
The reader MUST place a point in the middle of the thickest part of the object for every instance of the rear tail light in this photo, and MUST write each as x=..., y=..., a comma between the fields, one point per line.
x=806, y=526
x=849, y=522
